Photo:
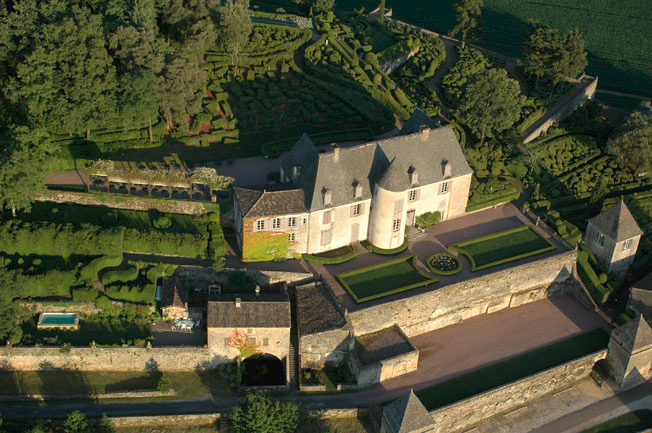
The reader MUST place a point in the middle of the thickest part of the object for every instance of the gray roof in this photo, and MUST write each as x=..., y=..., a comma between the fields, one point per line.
x=634, y=335
x=316, y=311
x=640, y=300
x=407, y=414
x=385, y=162
x=254, y=203
x=417, y=120
x=263, y=311
x=617, y=223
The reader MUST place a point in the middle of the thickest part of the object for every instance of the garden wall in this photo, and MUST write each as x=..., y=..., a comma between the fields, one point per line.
x=369, y=374
x=464, y=413
x=114, y=359
x=454, y=303
x=557, y=113
x=127, y=202
x=316, y=350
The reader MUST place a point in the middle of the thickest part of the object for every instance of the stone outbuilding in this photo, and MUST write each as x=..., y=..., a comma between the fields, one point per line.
x=640, y=298
x=630, y=353
x=258, y=318
x=406, y=414
x=174, y=297
x=613, y=236
x=325, y=336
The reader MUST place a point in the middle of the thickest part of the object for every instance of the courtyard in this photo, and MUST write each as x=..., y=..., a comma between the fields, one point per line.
x=522, y=243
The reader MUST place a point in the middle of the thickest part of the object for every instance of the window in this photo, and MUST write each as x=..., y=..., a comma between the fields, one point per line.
x=627, y=244
x=444, y=187
x=291, y=237
x=276, y=223
x=356, y=208
x=328, y=197
x=265, y=341
x=396, y=225
x=600, y=239
x=292, y=222
x=412, y=195
x=398, y=206
x=251, y=341
x=357, y=192
x=226, y=342
x=260, y=225
x=304, y=222
x=327, y=217
x=325, y=237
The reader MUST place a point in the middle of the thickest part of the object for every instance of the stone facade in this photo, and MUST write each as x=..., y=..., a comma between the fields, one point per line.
x=454, y=303
x=463, y=414
x=385, y=369
x=273, y=341
x=610, y=253
x=330, y=347
x=110, y=359
x=630, y=353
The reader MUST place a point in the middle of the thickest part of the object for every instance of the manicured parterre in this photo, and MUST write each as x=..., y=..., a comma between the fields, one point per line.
x=503, y=247
x=384, y=279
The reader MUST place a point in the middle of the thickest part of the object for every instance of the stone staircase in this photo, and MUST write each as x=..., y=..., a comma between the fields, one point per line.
x=225, y=423
x=413, y=234
x=293, y=354
x=585, y=288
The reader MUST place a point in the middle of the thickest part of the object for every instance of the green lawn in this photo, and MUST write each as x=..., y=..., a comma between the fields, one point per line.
x=189, y=384
x=109, y=217
x=383, y=279
x=503, y=247
x=512, y=369
x=632, y=422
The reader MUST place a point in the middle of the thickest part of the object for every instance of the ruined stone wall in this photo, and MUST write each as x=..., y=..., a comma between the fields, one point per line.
x=114, y=359
x=316, y=350
x=460, y=415
x=381, y=371
x=456, y=302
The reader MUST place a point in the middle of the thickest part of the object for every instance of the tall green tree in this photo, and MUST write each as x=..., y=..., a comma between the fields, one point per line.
x=323, y=6
x=235, y=28
x=177, y=86
x=258, y=413
x=631, y=143
x=469, y=19
x=492, y=102
x=76, y=422
x=538, y=50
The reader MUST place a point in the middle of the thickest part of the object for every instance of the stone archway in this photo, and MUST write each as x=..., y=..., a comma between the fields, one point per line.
x=263, y=370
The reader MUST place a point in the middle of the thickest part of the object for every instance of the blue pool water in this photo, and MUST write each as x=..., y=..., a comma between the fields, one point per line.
x=58, y=318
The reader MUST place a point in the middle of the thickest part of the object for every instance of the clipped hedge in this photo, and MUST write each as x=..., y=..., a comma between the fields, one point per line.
x=120, y=275
x=428, y=219
x=89, y=272
x=387, y=252
x=322, y=260
x=137, y=294
x=49, y=239
x=591, y=279
x=434, y=270
x=175, y=244
x=85, y=294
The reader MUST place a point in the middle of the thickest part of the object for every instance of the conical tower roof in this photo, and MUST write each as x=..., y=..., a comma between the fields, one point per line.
x=634, y=335
x=617, y=222
x=407, y=414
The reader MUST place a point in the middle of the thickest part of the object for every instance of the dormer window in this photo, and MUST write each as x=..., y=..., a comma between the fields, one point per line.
x=414, y=176
x=600, y=239
x=328, y=197
x=447, y=168
x=296, y=171
x=357, y=190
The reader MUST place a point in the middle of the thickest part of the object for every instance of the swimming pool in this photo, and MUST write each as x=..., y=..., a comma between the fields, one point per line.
x=58, y=320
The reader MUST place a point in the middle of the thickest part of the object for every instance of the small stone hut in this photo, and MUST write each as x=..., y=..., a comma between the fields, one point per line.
x=630, y=353
x=406, y=414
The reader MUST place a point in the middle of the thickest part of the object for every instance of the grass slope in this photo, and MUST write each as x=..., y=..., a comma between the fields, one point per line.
x=632, y=422
x=615, y=37
x=512, y=369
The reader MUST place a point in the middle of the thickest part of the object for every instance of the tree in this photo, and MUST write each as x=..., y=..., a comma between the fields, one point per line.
x=492, y=102
x=235, y=28
x=177, y=87
x=324, y=6
x=469, y=18
x=258, y=413
x=76, y=422
x=25, y=159
x=164, y=385
x=538, y=50
x=381, y=12
x=631, y=143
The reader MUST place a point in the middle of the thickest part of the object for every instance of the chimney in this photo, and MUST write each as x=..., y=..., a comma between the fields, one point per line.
x=336, y=152
x=237, y=302
x=425, y=132
x=257, y=290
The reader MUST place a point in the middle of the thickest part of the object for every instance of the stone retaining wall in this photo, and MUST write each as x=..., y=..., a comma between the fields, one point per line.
x=113, y=359
x=454, y=303
x=461, y=415
x=385, y=369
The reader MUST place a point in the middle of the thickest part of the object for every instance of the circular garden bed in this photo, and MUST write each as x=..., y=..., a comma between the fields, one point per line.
x=444, y=264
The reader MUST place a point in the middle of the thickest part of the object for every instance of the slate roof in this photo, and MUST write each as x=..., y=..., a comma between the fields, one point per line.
x=386, y=162
x=263, y=311
x=174, y=292
x=407, y=414
x=634, y=335
x=640, y=298
x=617, y=223
x=316, y=311
x=254, y=203
x=417, y=120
